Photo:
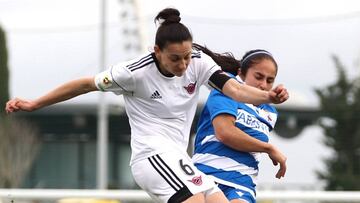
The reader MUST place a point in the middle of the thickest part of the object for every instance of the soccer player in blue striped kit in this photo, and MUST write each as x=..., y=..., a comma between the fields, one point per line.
x=161, y=91
x=231, y=135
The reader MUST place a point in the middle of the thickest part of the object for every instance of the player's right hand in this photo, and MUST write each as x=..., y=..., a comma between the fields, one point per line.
x=279, y=94
x=18, y=104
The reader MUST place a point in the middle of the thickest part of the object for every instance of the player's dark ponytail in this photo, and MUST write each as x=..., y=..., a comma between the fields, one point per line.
x=170, y=30
x=226, y=61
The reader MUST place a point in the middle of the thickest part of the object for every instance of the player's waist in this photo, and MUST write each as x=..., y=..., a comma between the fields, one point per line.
x=151, y=145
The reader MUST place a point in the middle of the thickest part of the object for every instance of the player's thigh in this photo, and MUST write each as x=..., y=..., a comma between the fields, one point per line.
x=216, y=197
x=238, y=201
x=171, y=177
x=195, y=199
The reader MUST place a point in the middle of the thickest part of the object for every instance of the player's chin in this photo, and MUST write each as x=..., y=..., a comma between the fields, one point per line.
x=179, y=74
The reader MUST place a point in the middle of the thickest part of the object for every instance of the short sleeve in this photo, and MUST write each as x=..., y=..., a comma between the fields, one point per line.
x=219, y=103
x=205, y=66
x=117, y=79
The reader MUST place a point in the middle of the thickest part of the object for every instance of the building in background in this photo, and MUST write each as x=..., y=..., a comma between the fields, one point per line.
x=67, y=158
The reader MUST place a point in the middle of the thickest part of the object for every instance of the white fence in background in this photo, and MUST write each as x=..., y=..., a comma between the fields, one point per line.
x=13, y=195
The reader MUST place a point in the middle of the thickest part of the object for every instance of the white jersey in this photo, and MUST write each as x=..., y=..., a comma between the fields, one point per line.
x=160, y=108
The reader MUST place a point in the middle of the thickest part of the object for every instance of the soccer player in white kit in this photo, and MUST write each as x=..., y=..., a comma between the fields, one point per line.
x=161, y=90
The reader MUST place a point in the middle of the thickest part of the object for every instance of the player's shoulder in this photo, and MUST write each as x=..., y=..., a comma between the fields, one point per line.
x=269, y=108
x=138, y=63
x=198, y=55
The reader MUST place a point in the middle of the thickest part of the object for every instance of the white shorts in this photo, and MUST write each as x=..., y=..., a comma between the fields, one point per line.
x=171, y=177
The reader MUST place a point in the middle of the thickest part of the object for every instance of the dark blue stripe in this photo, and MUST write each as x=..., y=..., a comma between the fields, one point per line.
x=254, y=133
x=232, y=193
x=230, y=176
x=219, y=149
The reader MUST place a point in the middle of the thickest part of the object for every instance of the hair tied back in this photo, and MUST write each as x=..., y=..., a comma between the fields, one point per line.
x=168, y=16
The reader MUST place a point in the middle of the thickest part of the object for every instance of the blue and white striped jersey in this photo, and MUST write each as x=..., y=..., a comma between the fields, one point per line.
x=228, y=166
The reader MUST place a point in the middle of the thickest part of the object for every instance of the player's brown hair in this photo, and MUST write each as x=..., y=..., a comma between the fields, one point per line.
x=226, y=61
x=230, y=64
x=170, y=30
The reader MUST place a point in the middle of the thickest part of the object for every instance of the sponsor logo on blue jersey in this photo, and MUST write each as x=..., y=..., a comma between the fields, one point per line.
x=249, y=120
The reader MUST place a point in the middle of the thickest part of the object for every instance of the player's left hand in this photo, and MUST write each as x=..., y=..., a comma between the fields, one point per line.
x=278, y=158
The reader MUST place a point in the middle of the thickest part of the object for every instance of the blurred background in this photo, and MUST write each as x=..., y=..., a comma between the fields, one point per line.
x=47, y=42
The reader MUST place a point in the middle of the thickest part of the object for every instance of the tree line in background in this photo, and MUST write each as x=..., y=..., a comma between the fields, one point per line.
x=4, y=72
x=340, y=107
x=18, y=139
x=339, y=104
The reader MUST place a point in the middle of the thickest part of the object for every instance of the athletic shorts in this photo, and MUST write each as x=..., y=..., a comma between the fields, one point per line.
x=235, y=193
x=171, y=177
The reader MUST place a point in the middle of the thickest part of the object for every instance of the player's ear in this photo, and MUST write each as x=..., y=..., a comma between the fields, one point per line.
x=157, y=49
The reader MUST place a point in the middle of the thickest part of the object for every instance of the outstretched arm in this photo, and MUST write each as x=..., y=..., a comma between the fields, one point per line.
x=64, y=92
x=252, y=95
x=227, y=133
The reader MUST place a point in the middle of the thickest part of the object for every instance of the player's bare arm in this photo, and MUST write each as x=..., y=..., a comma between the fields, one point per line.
x=64, y=92
x=252, y=95
x=233, y=137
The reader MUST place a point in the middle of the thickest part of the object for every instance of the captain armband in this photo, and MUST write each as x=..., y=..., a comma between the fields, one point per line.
x=218, y=79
